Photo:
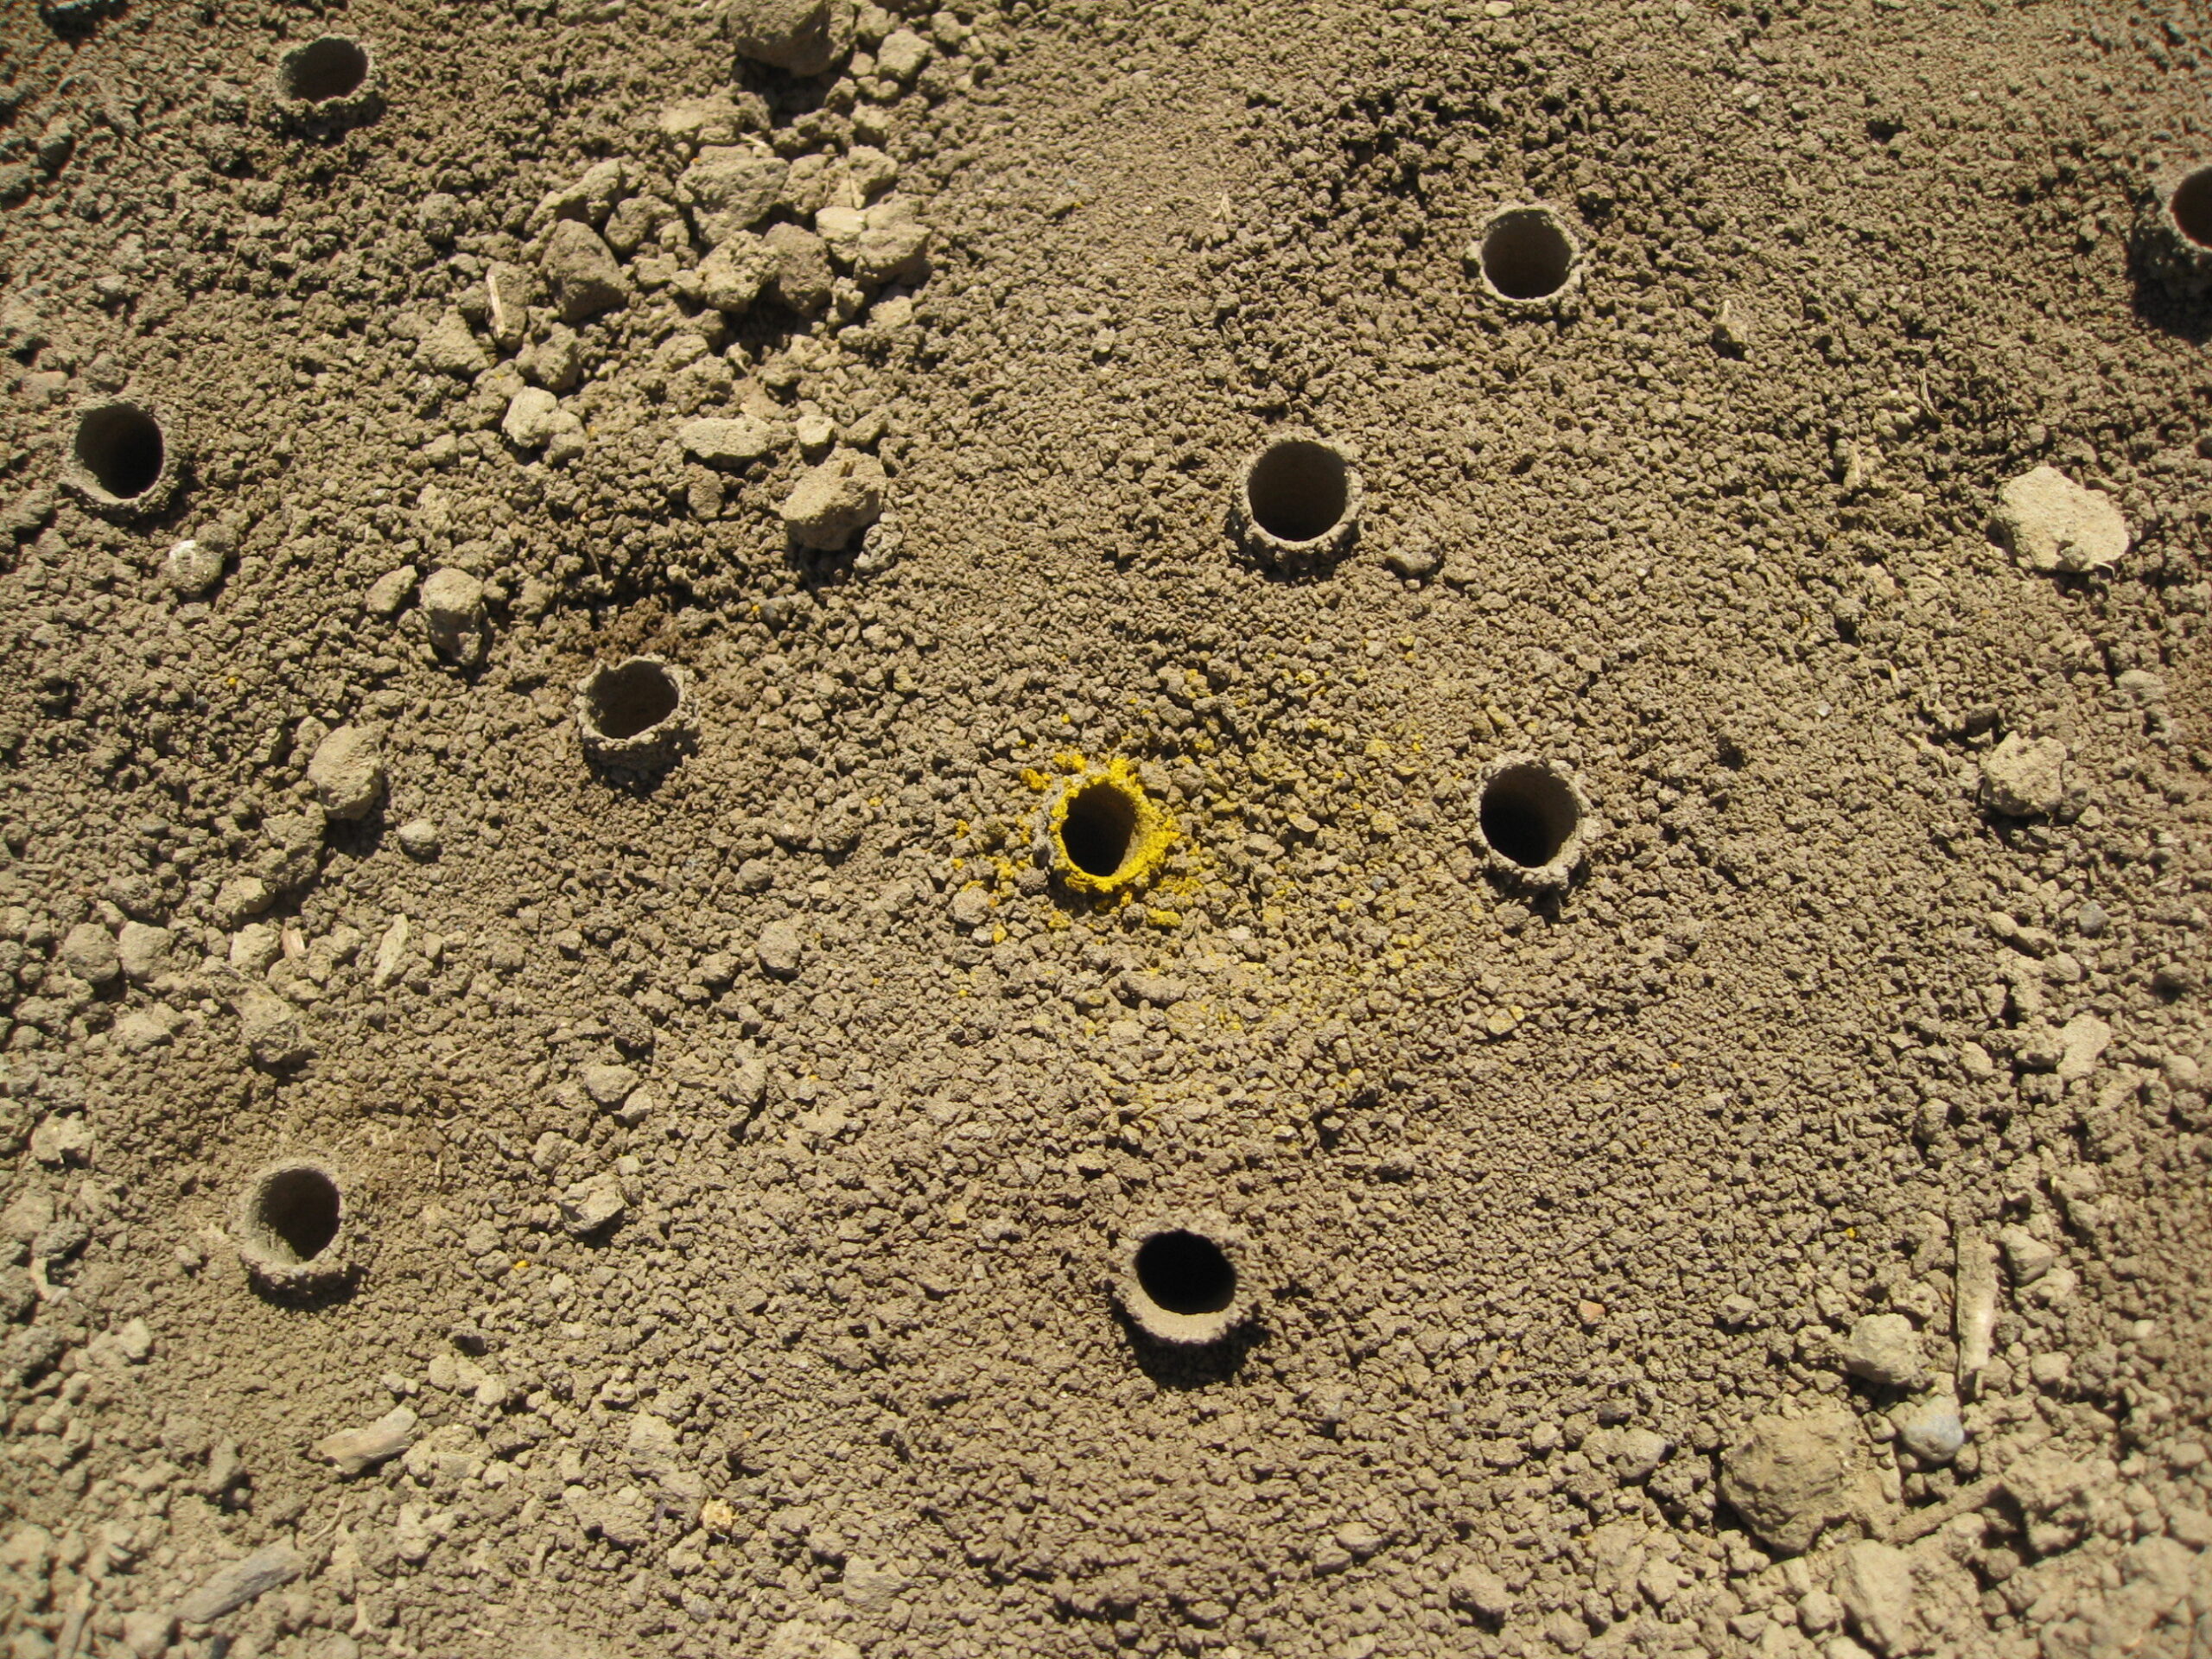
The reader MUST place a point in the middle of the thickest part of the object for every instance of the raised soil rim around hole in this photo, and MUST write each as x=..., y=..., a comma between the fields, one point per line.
x=1298, y=489
x=1528, y=814
x=324, y=70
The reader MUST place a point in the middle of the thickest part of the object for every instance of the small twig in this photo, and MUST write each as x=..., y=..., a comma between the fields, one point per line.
x=1920, y=1522
x=72, y=1629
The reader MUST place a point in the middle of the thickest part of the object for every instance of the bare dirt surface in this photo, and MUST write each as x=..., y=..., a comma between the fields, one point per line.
x=1089, y=1056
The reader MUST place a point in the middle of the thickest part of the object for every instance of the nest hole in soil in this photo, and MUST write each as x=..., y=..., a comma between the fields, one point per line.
x=121, y=448
x=332, y=67
x=1185, y=1273
x=1528, y=255
x=633, y=697
x=298, y=1209
x=1298, y=489
x=1528, y=814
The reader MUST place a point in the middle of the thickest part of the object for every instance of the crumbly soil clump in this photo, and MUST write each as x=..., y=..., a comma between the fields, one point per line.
x=1786, y=1231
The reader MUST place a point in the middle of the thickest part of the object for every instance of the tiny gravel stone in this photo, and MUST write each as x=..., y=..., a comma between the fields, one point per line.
x=727, y=442
x=1479, y=1591
x=355, y=1449
x=803, y=37
x=418, y=839
x=779, y=950
x=2027, y=1257
x=1789, y=1477
x=1874, y=1584
x=194, y=568
x=607, y=1085
x=591, y=1205
x=266, y=1569
x=835, y=501
x=348, y=772
x=580, y=268
x=2023, y=778
x=2054, y=525
x=272, y=1029
x=389, y=594
x=970, y=907
x=448, y=347
x=453, y=607
x=88, y=951
x=1884, y=1348
x=142, y=950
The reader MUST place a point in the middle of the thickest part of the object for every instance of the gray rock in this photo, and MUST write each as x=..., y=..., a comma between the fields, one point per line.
x=803, y=37
x=1789, y=1477
x=268, y=1568
x=348, y=772
x=579, y=267
x=1933, y=1431
x=355, y=1449
x=903, y=55
x=970, y=907
x=1158, y=990
x=439, y=217
x=2023, y=778
x=778, y=949
x=2054, y=525
x=59, y=1141
x=533, y=416
x=797, y=1639
x=88, y=951
x=835, y=501
x=1884, y=1349
x=1874, y=1584
x=894, y=247
x=149, y=1631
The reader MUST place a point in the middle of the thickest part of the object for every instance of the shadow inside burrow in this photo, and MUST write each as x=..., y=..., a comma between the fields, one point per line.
x=2187, y=318
x=1181, y=1369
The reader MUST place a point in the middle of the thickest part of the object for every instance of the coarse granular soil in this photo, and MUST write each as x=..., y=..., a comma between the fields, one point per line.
x=1653, y=984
